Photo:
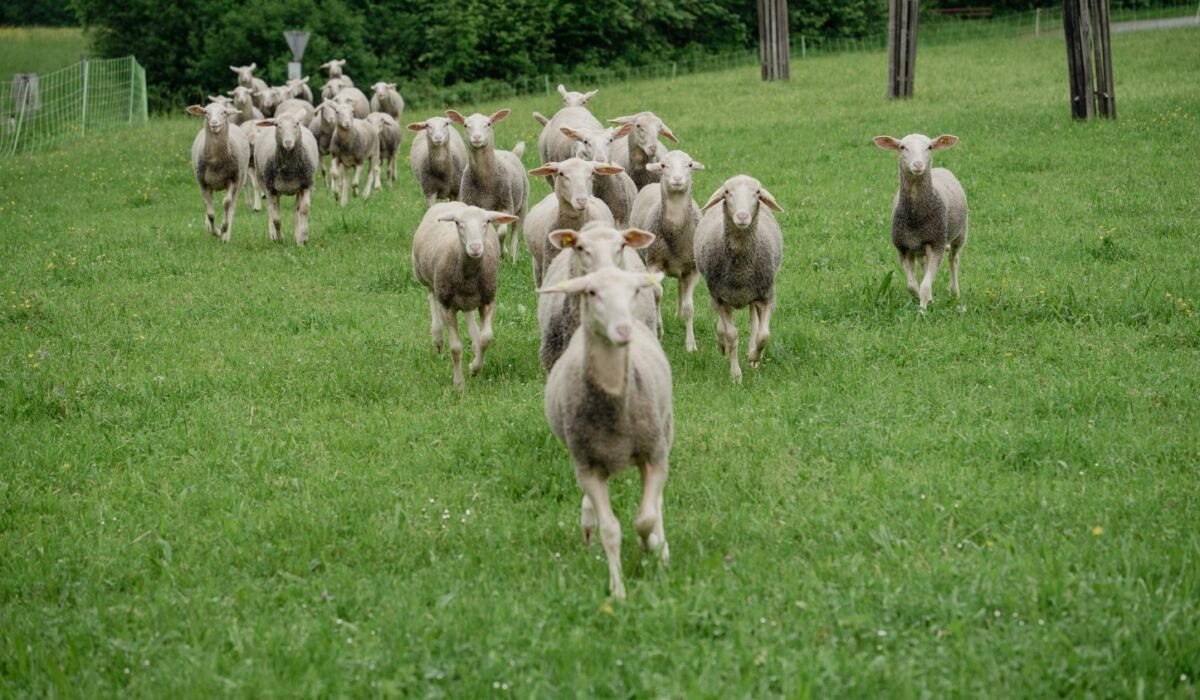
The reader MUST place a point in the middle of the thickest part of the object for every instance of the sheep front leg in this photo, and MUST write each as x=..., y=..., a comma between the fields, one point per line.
x=649, y=522
x=303, y=202
x=210, y=215
x=273, y=216
x=430, y=199
x=725, y=316
x=250, y=192
x=933, y=258
x=687, y=307
x=513, y=242
x=596, y=489
x=372, y=176
x=954, y=272
x=502, y=237
x=435, y=323
x=760, y=331
x=230, y=203
x=587, y=519
x=357, y=173
x=906, y=262
x=481, y=338
x=450, y=319
x=345, y=182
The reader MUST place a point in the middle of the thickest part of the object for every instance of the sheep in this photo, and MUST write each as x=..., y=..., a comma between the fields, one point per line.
x=300, y=89
x=246, y=79
x=456, y=257
x=385, y=98
x=356, y=98
x=220, y=158
x=300, y=107
x=668, y=210
x=493, y=179
x=608, y=399
x=243, y=101
x=254, y=192
x=641, y=146
x=334, y=66
x=597, y=245
x=355, y=143
x=322, y=126
x=617, y=190
x=333, y=86
x=929, y=212
x=438, y=157
x=390, y=136
x=286, y=156
x=221, y=99
x=553, y=146
x=569, y=206
x=739, y=248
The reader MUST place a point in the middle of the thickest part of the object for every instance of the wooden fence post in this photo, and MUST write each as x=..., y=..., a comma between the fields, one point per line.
x=902, y=47
x=773, y=48
x=1089, y=58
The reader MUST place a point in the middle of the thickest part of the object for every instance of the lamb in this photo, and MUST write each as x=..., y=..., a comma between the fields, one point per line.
x=608, y=399
x=254, y=192
x=354, y=97
x=438, y=157
x=493, y=179
x=390, y=137
x=322, y=126
x=355, y=143
x=618, y=190
x=220, y=159
x=569, y=206
x=641, y=146
x=929, y=212
x=386, y=99
x=668, y=210
x=243, y=101
x=286, y=156
x=246, y=79
x=553, y=146
x=598, y=245
x=739, y=249
x=456, y=257
x=334, y=67
x=300, y=89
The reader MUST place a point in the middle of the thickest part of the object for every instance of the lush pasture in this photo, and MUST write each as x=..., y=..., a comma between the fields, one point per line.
x=38, y=49
x=240, y=469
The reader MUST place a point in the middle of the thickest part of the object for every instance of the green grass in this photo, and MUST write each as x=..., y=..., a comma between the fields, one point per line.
x=241, y=470
x=39, y=49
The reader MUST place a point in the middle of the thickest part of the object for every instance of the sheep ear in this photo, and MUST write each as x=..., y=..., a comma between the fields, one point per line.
x=609, y=169
x=887, y=143
x=540, y=119
x=588, y=95
x=234, y=69
x=623, y=131
x=944, y=141
x=196, y=110
x=666, y=133
x=265, y=122
x=571, y=286
x=637, y=238
x=304, y=80
x=324, y=65
x=449, y=218
x=497, y=116
x=545, y=169
x=570, y=133
x=417, y=126
x=455, y=116
x=563, y=238
x=562, y=89
x=392, y=86
x=715, y=199
x=623, y=120
x=654, y=167
x=696, y=165
x=768, y=199
x=252, y=66
x=501, y=217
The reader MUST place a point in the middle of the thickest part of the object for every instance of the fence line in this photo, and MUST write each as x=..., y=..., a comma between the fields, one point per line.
x=93, y=95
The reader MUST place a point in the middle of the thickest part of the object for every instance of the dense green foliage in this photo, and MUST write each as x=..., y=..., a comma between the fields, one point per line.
x=242, y=470
x=47, y=13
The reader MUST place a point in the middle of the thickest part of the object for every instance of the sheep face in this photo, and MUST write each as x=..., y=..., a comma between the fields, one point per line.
x=216, y=116
x=676, y=168
x=574, y=99
x=741, y=195
x=474, y=226
x=573, y=183
x=608, y=295
x=591, y=144
x=334, y=67
x=295, y=86
x=330, y=89
x=242, y=97
x=287, y=130
x=381, y=90
x=344, y=115
x=245, y=74
x=644, y=130
x=478, y=127
x=916, y=151
x=600, y=246
x=327, y=111
x=437, y=130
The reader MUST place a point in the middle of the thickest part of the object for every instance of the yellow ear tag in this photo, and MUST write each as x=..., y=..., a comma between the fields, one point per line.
x=568, y=241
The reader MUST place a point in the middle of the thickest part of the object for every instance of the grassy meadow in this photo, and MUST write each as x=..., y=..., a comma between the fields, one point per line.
x=242, y=470
x=39, y=49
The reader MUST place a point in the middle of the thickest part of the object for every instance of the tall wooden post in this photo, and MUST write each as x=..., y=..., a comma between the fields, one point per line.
x=1089, y=58
x=902, y=47
x=773, y=47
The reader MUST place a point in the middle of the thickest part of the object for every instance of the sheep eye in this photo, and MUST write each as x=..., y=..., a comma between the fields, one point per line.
x=904, y=148
x=591, y=292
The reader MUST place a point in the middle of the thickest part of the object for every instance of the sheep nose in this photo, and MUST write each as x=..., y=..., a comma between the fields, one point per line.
x=742, y=217
x=623, y=331
x=651, y=150
x=678, y=181
x=581, y=203
x=288, y=143
x=475, y=249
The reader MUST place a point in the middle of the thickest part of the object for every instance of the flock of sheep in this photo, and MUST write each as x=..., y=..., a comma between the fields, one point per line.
x=621, y=217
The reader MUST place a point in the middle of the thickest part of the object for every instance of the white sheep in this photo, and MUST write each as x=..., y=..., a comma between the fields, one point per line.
x=390, y=136
x=438, y=157
x=322, y=126
x=301, y=90
x=569, y=206
x=220, y=159
x=739, y=249
x=385, y=98
x=616, y=190
x=553, y=146
x=608, y=399
x=286, y=158
x=929, y=212
x=355, y=98
x=302, y=109
x=641, y=146
x=493, y=179
x=247, y=80
x=667, y=210
x=254, y=191
x=456, y=256
x=596, y=246
x=334, y=66
x=243, y=102
x=354, y=143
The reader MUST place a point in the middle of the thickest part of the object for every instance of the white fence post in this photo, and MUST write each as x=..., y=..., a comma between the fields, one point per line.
x=83, y=67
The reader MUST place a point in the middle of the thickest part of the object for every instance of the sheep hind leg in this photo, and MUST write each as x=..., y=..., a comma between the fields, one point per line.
x=477, y=346
x=485, y=334
x=596, y=489
x=731, y=341
x=303, y=202
x=687, y=307
x=450, y=318
x=587, y=519
x=906, y=262
x=954, y=270
x=933, y=259
x=345, y=182
x=761, y=331
x=273, y=216
x=435, y=324
x=649, y=522
x=372, y=176
x=210, y=214
x=230, y=204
